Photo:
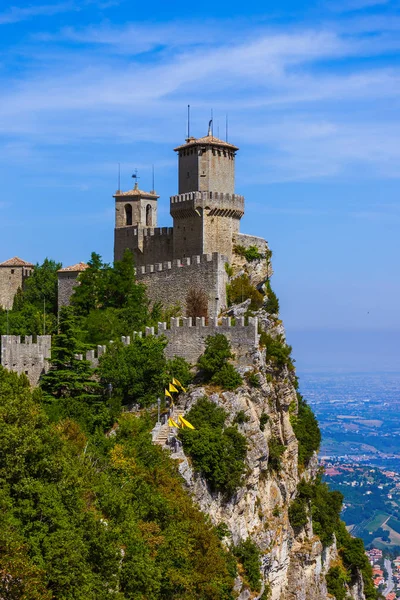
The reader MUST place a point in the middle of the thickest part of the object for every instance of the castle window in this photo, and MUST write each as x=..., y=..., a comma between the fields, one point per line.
x=149, y=216
x=12, y=271
x=128, y=214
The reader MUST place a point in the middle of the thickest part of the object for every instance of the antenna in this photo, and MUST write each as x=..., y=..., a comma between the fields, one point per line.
x=119, y=177
x=188, y=122
x=154, y=189
x=226, y=128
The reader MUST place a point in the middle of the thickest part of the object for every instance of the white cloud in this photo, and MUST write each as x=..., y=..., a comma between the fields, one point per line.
x=16, y=14
x=295, y=95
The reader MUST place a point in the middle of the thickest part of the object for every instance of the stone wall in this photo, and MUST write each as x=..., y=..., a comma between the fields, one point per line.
x=26, y=357
x=169, y=282
x=203, y=168
x=148, y=244
x=11, y=278
x=205, y=222
x=187, y=338
x=66, y=283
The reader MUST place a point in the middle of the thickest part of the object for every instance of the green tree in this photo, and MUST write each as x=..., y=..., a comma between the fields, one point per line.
x=40, y=287
x=214, y=362
x=249, y=555
x=218, y=452
x=306, y=430
x=137, y=372
x=69, y=387
x=271, y=304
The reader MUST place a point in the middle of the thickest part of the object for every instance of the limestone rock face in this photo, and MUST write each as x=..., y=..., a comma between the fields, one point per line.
x=294, y=565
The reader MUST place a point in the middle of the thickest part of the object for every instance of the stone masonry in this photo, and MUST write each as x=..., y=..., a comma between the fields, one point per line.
x=67, y=280
x=169, y=282
x=206, y=215
x=187, y=338
x=26, y=357
x=13, y=273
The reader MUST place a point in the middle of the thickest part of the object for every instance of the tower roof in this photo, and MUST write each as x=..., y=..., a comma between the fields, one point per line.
x=207, y=140
x=79, y=267
x=136, y=192
x=16, y=262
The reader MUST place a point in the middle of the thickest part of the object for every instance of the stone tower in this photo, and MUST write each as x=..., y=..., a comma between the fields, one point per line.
x=13, y=273
x=206, y=212
x=135, y=212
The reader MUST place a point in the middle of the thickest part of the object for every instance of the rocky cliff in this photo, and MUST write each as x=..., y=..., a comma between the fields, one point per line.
x=294, y=562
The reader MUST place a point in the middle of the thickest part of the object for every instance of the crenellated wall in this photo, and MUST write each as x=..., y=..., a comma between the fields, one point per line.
x=26, y=357
x=148, y=244
x=170, y=281
x=186, y=338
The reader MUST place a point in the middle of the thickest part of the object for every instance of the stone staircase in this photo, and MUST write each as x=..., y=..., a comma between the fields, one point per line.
x=160, y=433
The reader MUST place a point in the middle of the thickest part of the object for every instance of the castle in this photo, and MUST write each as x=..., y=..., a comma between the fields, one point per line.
x=206, y=215
x=191, y=256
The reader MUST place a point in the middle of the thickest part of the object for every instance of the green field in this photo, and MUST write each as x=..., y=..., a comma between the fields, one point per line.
x=394, y=524
x=375, y=522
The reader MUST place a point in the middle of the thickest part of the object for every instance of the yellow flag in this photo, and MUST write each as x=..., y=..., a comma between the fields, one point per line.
x=185, y=423
x=172, y=388
x=172, y=423
x=177, y=382
x=166, y=393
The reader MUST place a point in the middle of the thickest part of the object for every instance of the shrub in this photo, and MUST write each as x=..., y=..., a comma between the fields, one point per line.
x=272, y=303
x=250, y=253
x=263, y=420
x=336, y=579
x=298, y=513
x=214, y=363
x=228, y=269
x=196, y=303
x=218, y=453
x=276, y=449
x=253, y=379
x=249, y=555
x=241, y=418
x=276, y=349
x=228, y=378
x=306, y=430
x=179, y=368
x=241, y=289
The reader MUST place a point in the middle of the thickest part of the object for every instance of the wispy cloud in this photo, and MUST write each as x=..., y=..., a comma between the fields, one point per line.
x=16, y=14
x=288, y=93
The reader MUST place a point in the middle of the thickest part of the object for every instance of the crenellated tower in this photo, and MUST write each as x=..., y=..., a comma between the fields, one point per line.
x=206, y=212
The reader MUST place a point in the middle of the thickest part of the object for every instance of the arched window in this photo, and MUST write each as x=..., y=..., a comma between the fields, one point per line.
x=128, y=214
x=149, y=216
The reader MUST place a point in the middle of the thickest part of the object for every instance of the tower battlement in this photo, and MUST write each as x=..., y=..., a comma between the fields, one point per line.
x=214, y=203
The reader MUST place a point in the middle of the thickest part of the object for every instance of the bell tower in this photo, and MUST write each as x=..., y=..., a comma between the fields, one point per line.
x=206, y=212
x=135, y=214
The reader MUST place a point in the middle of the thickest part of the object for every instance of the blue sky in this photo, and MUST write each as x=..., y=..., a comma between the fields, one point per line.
x=312, y=93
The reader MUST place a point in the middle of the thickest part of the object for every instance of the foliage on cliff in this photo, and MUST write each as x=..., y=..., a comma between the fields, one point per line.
x=217, y=452
x=214, y=363
x=315, y=499
x=307, y=432
x=93, y=517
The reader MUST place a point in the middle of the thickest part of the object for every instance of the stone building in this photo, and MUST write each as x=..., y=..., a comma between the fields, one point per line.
x=67, y=280
x=206, y=215
x=13, y=273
